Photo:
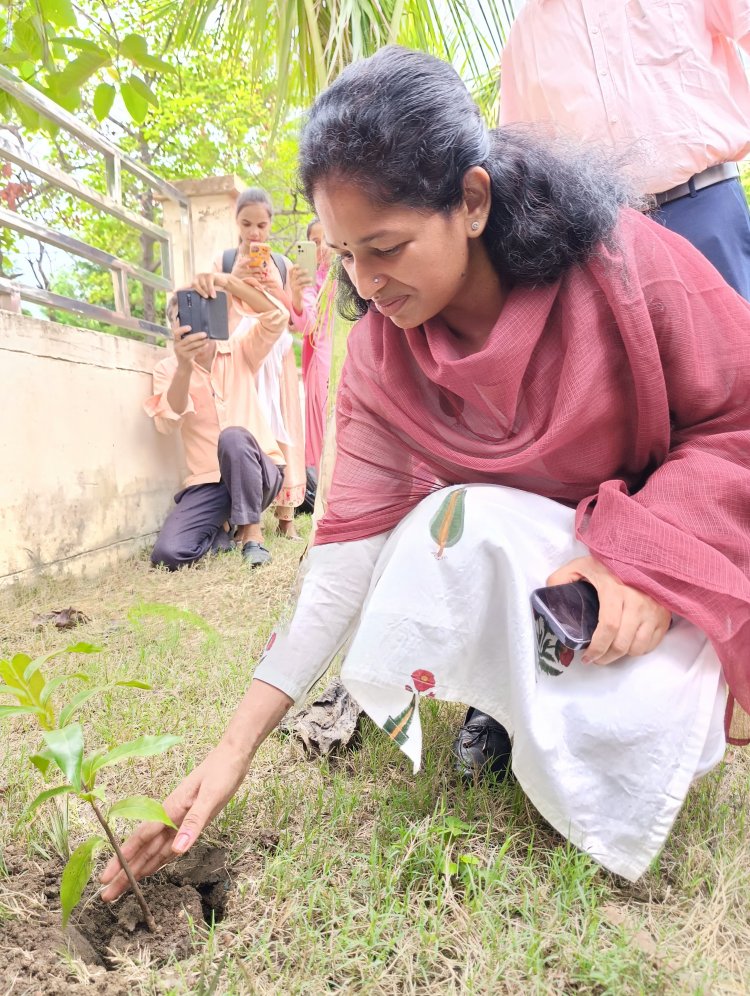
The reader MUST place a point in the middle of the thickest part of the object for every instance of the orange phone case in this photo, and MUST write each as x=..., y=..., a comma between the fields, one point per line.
x=259, y=255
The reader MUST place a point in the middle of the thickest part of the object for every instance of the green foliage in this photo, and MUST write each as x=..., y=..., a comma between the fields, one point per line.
x=60, y=54
x=64, y=750
x=308, y=44
x=169, y=613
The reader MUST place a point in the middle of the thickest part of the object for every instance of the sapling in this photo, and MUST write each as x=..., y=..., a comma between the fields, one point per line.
x=63, y=749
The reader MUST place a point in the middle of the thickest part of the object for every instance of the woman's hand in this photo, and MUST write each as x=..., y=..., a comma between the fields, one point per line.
x=630, y=622
x=299, y=279
x=207, y=283
x=192, y=805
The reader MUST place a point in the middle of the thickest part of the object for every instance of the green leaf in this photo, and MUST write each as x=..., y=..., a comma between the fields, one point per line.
x=88, y=772
x=76, y=875
x=141, y=807
x=135, y=683
x=47, y=794
x=41, y=761
x=82, y=45
x=21, y=710
x=11, y=690
x=142, y=747
x=12, y=681
x=104, y=97
x=143, y=90
x=19, y=663
x=135, y=48
x=66, y=748
x=10, y=58
x=83, y=648
x=77, y=72
x=58, y=12
x=28, y=38
x=54, y=683
x=76, y=702
x=136, y=106
x=67, y=96
x=33, y=666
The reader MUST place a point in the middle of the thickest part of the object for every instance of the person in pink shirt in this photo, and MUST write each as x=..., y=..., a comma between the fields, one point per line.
x=206, y=389
x=312, y=314
x=663, y=84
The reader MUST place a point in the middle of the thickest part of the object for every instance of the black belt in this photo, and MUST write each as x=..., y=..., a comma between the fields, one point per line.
x=710, y=176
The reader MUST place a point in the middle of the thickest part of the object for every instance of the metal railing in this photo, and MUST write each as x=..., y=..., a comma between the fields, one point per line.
x=112, y=203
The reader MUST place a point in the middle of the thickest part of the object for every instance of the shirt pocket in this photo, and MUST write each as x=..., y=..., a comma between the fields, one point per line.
x=658, y=31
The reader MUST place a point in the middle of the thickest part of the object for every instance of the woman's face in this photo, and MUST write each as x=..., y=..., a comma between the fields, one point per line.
x=410, y=264
x=316, y=236
x=254, y=223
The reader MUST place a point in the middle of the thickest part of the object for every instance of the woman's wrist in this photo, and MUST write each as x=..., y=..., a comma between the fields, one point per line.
x=260, y=711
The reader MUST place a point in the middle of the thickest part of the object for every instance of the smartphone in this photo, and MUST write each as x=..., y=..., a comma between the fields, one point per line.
x=570, y=610
x=258, y=255
x=306, y=258
x=204, y=314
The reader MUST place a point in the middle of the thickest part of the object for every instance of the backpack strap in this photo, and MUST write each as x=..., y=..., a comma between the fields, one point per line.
x=280, y=266
x=227, y=260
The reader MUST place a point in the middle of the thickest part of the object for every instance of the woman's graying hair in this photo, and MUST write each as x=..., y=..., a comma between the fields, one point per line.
x=253, y=195
x=403, y=127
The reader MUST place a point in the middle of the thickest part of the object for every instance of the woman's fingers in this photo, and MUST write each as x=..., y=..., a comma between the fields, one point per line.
x=204, y=284
x=630, y=623
x=139, y=840
x=147, y=860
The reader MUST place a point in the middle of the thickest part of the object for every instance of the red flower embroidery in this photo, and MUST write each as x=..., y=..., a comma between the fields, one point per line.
x=566, y=655
x=423, y=680
x=271, y=641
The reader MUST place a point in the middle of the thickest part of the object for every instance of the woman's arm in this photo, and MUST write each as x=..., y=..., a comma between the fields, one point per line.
x=331, y=598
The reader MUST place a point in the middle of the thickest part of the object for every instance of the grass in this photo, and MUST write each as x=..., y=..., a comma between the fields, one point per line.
x=382, y=882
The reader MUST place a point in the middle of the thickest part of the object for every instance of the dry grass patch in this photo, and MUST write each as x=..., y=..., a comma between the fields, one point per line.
x=350, y=874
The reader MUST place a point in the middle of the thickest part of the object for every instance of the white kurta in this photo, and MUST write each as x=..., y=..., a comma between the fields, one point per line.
x=439, y=607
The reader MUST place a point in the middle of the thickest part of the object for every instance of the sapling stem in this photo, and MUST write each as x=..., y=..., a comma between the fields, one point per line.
x=150, y=922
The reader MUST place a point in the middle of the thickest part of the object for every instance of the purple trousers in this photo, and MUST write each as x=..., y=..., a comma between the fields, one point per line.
x=249, y=483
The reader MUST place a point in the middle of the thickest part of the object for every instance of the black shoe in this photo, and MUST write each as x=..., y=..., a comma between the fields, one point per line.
x=482, y=747
x=255, y=554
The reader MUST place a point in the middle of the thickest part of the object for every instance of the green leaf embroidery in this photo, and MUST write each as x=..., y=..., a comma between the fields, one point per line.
x=76, y=875
x=447, y=525
x=397, y=727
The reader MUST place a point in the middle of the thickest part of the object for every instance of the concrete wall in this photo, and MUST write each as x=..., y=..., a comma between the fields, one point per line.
x=85, y=479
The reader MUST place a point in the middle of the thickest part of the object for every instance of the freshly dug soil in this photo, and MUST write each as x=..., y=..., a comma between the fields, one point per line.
x=33, y=943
